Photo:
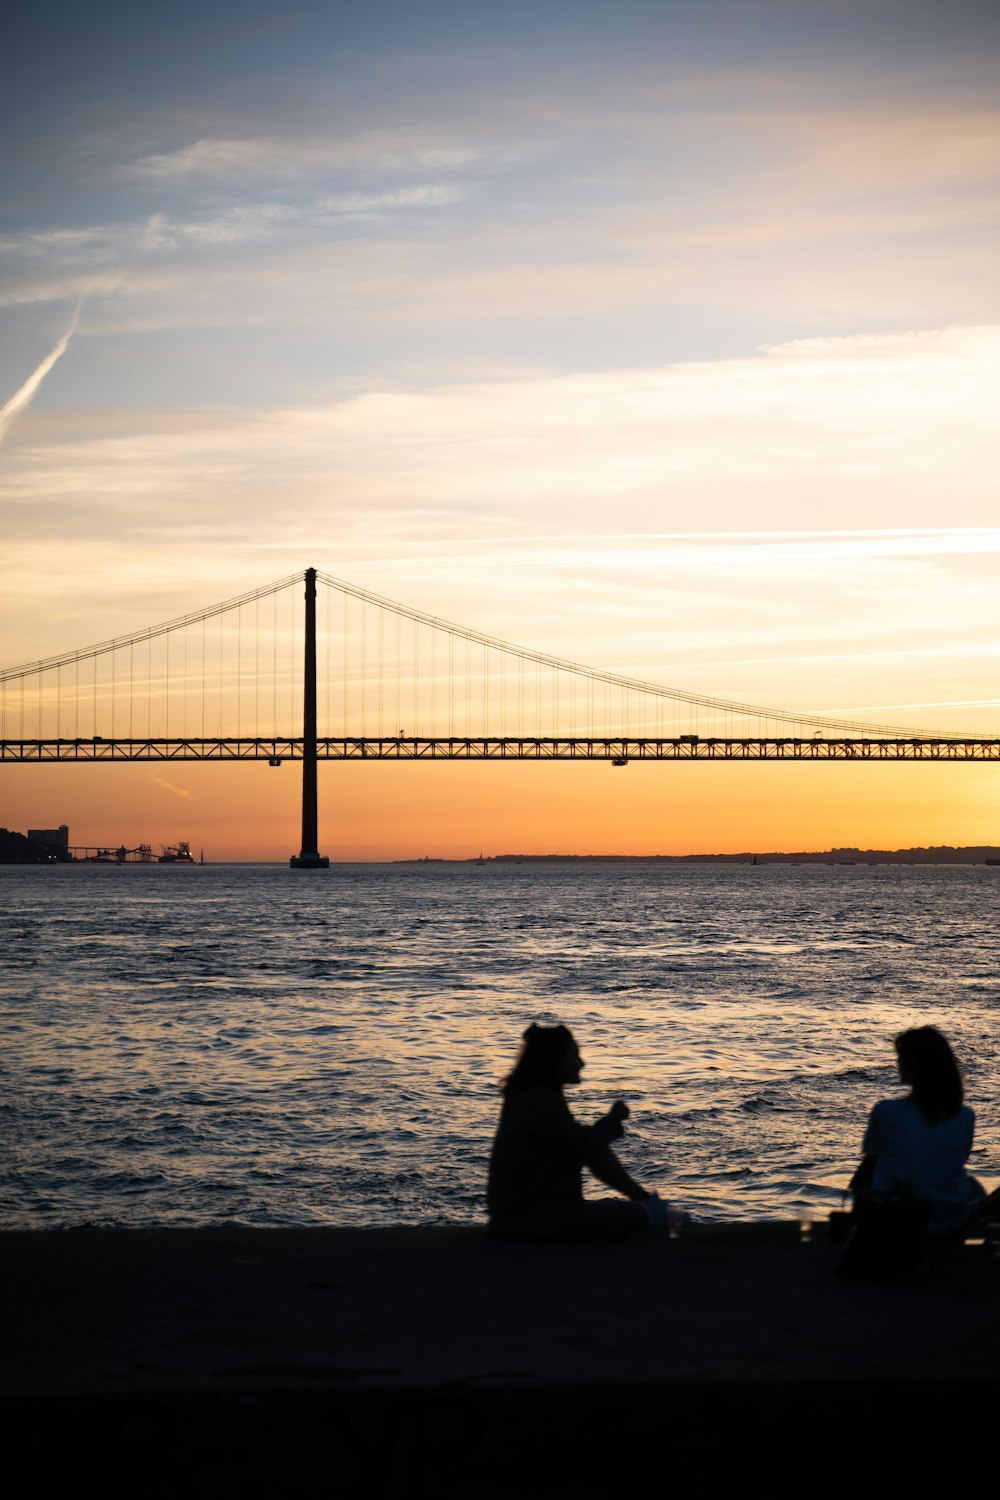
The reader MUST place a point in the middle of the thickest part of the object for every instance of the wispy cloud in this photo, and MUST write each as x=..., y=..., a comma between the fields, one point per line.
x=785, y=202
x=850, y=427
x=23, y=397
x=168, y=786
x=273, y=156
x=241, y=223
x=429, y=196
x=162, y=254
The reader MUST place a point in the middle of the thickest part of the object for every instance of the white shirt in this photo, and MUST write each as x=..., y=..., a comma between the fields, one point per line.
x=925, y=1160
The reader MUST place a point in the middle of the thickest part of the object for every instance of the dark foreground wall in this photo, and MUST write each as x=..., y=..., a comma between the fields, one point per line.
x=713, y=1439
x=435, y=1362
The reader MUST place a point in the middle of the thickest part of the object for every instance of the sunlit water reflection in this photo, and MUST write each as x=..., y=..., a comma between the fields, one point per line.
x=257, y=1045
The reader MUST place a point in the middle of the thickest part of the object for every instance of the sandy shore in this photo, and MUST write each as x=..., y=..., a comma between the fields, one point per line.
x=430, y=1361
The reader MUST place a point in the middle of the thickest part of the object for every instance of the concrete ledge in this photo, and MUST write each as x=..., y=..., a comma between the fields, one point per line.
x=440, y=1362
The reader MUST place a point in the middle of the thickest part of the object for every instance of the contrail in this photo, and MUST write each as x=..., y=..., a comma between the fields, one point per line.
x=24, y=396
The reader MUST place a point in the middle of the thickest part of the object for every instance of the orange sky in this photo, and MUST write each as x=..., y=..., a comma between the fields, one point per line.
x=454, y=810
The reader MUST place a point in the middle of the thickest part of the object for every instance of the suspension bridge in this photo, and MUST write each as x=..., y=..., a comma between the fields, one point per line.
x=352, y=676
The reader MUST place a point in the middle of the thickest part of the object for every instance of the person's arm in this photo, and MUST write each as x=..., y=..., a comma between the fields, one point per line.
x=594, y=1138
x=608, y=1169
x=971, y=1136
x=547, y=1116
x=874, y=1134
x=876, y=1139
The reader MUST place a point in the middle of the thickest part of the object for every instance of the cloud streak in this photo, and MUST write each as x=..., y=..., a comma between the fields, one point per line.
x=296, y=158
x=851, y=431
x=168, y=786
x=23, y=397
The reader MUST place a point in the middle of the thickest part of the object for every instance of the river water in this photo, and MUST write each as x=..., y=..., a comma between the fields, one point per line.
x=250, y=1044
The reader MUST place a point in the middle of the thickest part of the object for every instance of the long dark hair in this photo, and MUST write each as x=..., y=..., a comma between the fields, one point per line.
x=540, y=1061
x=927, y=1064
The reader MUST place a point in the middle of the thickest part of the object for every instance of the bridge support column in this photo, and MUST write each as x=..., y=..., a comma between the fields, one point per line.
x=308, y=857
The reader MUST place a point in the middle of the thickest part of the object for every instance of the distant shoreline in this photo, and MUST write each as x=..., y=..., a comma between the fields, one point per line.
x=943, y=854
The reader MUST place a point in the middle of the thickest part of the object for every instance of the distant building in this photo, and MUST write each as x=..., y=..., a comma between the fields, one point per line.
x=51, y=838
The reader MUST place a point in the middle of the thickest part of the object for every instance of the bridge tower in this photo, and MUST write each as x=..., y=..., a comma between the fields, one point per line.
x=308, y=857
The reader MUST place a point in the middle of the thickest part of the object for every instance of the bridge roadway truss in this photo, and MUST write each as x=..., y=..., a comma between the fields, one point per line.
x=617, y=751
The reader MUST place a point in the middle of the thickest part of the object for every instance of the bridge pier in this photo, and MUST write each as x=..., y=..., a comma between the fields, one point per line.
x=308, y=857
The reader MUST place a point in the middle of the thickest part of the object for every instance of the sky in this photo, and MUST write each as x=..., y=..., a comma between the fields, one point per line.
x=664, y=336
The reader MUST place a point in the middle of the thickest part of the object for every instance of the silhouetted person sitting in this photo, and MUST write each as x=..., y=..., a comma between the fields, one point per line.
x=535, y=1185
x=916, y=1147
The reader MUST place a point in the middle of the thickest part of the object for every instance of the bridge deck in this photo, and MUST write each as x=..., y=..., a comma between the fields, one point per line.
x=619, y=751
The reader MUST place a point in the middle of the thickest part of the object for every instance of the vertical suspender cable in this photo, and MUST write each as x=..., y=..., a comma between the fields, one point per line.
x=399, y=668
x=327, y=656
x=239, y=670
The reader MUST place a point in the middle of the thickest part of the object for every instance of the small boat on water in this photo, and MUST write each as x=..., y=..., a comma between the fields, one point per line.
x=176, y=854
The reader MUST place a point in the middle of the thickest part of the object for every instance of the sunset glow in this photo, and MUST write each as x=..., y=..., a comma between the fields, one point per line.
x=664, y=338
